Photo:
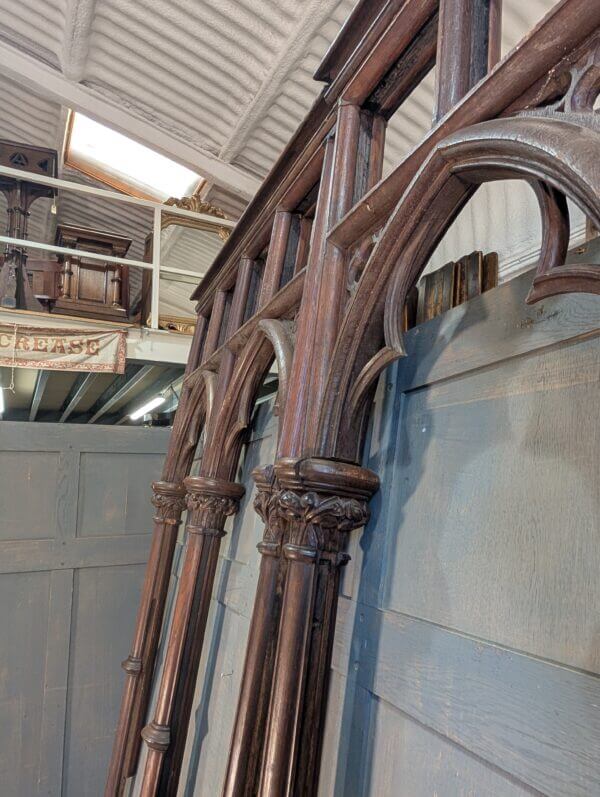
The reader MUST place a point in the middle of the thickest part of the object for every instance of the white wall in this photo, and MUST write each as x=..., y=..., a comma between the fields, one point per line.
x=502, y=217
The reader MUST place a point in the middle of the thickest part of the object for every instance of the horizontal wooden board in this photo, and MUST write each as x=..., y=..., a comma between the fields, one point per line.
x=494, y=516
x=493, y=327
x=379, y=750
x=537, y=721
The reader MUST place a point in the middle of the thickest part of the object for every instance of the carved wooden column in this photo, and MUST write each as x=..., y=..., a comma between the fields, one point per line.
x=169, y=500
x=15, y=290
x=168, y=497
x=67, y=274
x=469, y=34
x=321, y=501
x=116, y=282
x=209, y=502
x=325, y=286
x=243, y=767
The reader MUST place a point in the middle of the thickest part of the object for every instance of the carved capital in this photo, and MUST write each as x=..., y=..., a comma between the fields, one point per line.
x=169, y=500
x=320, y=501
x=209, y=501
x=267, y=507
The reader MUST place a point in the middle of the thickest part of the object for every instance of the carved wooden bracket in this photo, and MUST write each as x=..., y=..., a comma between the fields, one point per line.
x=281, y=334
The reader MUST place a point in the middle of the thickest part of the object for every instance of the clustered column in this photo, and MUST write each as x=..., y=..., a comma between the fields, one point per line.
x=168, y=499
x=243, y=767
x=209, y=502
x=321, y=501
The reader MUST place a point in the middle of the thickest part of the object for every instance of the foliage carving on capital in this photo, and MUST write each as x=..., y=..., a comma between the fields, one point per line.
x=169, y=501
x=266, y=505
x=320, y=521
x=210, y=501
x=211, y=505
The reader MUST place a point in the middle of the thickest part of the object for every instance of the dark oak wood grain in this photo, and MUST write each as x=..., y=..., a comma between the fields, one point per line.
x=337, y=252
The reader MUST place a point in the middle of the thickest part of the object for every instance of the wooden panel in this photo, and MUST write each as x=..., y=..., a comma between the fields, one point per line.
x=493, y=327
x=114, y=493
x=24, y=632
x=91, y=283
x=28, y=495
x=59, y=669
x=379, y=750
x=523, y=715
x=104, y=607
x=497, y=505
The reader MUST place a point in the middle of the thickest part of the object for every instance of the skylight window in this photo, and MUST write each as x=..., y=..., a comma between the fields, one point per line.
x=114, y=159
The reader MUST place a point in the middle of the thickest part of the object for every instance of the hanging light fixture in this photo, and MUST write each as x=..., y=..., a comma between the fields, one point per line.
x=147, y=407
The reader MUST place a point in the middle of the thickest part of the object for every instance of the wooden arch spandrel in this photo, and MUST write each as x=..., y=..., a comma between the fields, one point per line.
x=559, y=156
x=272, y=339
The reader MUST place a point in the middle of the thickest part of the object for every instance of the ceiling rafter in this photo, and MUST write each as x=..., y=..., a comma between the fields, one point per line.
x=307, y=25
x=32, y=73
x=78, y=390
x=125, y=387
x=161, y=384
x=79, y=16
x=38, y=393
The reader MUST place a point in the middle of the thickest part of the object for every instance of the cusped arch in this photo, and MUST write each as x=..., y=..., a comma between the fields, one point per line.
x=558, y=155
x=271, y=339
x=190, y=417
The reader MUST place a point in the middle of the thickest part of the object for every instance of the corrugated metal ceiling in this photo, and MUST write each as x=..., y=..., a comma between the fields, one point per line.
x=232, y=77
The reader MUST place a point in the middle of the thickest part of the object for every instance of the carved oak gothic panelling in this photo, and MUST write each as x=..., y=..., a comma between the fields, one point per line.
x=316, y=278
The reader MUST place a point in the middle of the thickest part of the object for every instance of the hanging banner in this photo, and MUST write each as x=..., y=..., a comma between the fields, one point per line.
x=23, y=346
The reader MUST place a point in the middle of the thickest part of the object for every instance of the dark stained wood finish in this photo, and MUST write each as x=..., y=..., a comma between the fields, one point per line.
x=468, y=47
x=91, y=288
x=15, y=288
x=356, y=247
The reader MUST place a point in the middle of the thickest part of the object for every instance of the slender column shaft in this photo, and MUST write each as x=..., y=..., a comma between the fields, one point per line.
x=322, y=501
x=176, y=691
x=243, y=767
x=209, y=502
x=169, y=502
x=468, y=46
x=276, y=256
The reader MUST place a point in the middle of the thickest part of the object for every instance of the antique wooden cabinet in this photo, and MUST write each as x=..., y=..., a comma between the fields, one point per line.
x=89, y=287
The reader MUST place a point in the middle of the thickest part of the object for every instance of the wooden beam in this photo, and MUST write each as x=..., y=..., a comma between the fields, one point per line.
x=468, y=47
x=38, y=393
x=78, y=390
x=119, y=389
x=163, y=380
x=558, y=32
x=30, y=73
